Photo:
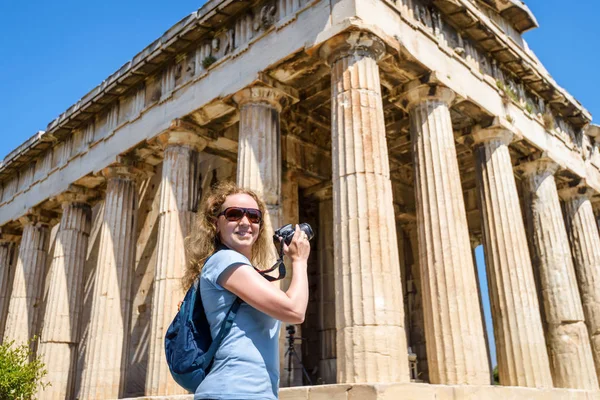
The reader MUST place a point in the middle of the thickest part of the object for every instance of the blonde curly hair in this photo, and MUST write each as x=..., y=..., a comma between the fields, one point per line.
x=204, y=240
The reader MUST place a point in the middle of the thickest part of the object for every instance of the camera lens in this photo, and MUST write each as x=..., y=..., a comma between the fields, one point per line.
x=304, y=227
x=287, y=233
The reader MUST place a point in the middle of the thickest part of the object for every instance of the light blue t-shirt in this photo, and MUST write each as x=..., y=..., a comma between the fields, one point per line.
x=246, y=365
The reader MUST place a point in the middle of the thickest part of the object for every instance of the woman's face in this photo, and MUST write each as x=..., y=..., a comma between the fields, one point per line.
x=238, y=235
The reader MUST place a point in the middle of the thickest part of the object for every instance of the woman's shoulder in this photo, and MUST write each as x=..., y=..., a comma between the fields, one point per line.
x=220, y=261
x=227, y=256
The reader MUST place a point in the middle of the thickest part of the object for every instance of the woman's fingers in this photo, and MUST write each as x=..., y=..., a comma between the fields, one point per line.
x=299, y=246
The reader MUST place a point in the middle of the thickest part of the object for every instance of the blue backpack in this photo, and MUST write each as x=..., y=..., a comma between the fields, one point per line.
x=188, y=343
x=189, y=346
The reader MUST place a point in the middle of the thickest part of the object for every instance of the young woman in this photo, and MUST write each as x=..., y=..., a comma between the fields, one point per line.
x=228, y=242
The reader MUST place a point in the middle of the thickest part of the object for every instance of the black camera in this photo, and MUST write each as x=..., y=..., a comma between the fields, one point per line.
x=286, y=233
x=291, y=329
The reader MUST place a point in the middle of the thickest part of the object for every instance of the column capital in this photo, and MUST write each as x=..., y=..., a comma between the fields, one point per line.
x=358, y=43
x=77, y=194
x=273, y=97
x=128, y=170
x=499, y=134
x=38, y=216
x=184, y=134
x=579, y=191
x=416, y=93
x=543, y=165
x=593, y=131
x=8, y=236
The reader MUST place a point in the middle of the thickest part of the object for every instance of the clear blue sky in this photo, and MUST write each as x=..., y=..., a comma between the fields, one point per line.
x=54, y=52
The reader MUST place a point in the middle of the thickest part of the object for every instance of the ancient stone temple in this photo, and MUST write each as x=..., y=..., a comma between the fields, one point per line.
x=407, y=132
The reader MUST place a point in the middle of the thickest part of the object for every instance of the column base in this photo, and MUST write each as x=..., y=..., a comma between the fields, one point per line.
x=417, y=391
x=424, y=391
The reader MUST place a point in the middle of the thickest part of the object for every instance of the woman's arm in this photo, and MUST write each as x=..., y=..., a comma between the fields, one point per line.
x=250, y=286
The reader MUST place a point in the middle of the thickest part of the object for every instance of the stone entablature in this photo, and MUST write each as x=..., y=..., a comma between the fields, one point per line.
x=515, y=12
x=218, y=45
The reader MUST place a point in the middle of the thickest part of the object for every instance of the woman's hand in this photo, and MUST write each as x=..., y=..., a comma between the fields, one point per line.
x=250, y=286
x=299, y=248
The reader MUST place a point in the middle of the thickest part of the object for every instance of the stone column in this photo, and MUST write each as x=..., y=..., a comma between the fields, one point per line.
x=106, y=349
x=259, y=150
x=371, y=341
x=567, y=340
x=585, y=246
x=179, y=191
x=28, y=282
x=455, y=339
x=60, y=332
x=327, y=333
x=7, y=256
x=520, y=345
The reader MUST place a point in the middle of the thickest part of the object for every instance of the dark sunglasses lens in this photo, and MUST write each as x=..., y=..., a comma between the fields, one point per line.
x=253, y=216
x=234, y=214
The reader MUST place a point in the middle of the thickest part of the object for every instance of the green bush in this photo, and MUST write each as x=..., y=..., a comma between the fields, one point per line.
x=20, y=372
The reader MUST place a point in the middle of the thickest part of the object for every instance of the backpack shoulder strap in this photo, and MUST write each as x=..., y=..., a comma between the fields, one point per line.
x=223, y=331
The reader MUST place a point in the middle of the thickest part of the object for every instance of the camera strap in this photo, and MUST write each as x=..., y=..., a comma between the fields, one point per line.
x=279, y=264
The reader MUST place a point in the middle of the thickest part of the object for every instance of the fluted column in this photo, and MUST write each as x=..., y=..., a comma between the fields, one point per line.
x=567, y=340
x=106, y=349
x=371, y=341
x=259, y=149
x=455, y=339
x=60, y=332
x=585, y=247
x=8, y=249
x=178, y=204
x=28, y=283
x=327, y=334
x=520, y=345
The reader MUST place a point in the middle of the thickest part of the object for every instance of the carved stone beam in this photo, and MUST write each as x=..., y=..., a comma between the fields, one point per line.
x=180, y=125
x=9, y=235
x=292, y=93
x=321, y=191
x=127, y=166
x=78, y=194
x=39, y=215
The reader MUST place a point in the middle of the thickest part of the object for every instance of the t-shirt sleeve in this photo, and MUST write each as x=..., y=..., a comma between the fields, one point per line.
x=219, y=263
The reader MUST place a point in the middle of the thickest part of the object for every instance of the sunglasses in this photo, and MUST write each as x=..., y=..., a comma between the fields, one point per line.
x=237, y=213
